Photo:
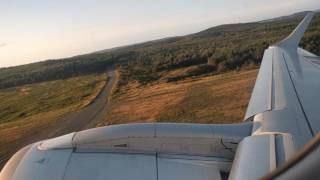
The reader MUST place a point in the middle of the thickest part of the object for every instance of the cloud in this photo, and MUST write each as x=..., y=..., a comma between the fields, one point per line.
x=3, y=44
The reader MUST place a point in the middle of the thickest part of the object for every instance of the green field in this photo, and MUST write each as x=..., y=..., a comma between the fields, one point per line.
x=25, y=101
x=33, y=112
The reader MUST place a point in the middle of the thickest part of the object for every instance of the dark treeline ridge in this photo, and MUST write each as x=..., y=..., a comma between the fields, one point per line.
x=215, y=50
x=59, y=69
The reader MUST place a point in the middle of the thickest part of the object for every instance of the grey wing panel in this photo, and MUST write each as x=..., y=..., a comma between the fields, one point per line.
x=307, y=86
x=270, y=89
x=111, y=166
x=260, y=100
x=305, y=53
x=135, y=151
x=39, y=165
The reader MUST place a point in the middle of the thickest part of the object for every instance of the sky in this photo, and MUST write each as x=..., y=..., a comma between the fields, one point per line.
x=35, y=30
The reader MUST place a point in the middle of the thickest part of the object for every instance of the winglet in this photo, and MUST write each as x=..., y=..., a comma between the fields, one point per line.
x=294, y=38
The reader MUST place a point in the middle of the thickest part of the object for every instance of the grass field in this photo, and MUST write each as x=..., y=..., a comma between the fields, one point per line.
x=213, y=99
x=25, y=110
x=29, y=100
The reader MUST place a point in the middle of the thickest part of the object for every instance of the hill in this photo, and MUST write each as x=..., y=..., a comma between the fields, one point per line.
x=224, y=48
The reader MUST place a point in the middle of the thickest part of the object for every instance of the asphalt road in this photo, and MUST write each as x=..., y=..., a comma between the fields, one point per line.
x=85, y=118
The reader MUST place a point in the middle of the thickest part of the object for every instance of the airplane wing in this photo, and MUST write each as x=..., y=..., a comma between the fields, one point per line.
x=284, y=107
x=281, y=118
x=132, y=151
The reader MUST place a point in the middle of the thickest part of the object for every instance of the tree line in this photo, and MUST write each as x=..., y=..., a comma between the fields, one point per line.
x=215, y=50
